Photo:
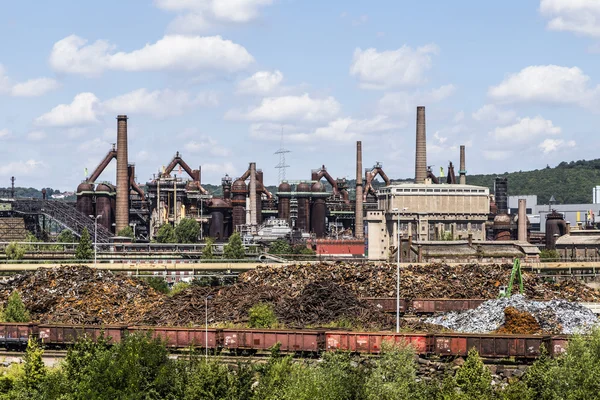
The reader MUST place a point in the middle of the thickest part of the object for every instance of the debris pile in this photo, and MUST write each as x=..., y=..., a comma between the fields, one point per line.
x=468, y=281
x=555, y=316
x=519, y=322
x=81, y=295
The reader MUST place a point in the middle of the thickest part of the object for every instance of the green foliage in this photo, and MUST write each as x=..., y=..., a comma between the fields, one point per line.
x=15, y=309
x=549, y=255
x=179, y=287
x=302, y=249
x=207, y=251
x=166, y=234
x=85, y=249
x=66, y=236
x=159, y=284
x=447, y=236
x=280, y=246
x=474, y=379
x=33, y=366
x=234, y=249
x=262, y=316
x=127, y=232
x=14, y=251
x=187, y=231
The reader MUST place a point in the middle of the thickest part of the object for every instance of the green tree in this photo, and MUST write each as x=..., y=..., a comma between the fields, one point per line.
x=127, y=232
x=549, y=255
x=166, y=234
x=14, y=251
x=280, y=246
x=234, y=249
x=33, y=366
x=262, y=316
x=187, y=231
x=65, y=236
x=302, y=249
x=207, y=251
x=85, y=249
x=474, y=379
x=15, y=309
x=158, y=284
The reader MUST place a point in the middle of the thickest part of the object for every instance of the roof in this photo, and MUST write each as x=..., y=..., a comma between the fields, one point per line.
x=579, y=240
x=507, y=248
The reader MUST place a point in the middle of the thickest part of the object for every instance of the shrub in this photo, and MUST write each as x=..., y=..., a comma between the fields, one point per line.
x=179, y=287
x=14, y=251
x=207, y=251
x=549, y=255
x=166, y=234
x=234, y=249
x=66, y=236
x=127, y=232
x=262, y=316
x=15, y=309
x=187, y=231
x=85, y=249
x=280, y=246
x=158, y=284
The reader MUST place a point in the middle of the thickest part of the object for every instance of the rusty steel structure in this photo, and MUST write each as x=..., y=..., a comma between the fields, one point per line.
x=421, y=147
x=462, y=172
x=522, y=221
x=359, y=212
x=122, y=210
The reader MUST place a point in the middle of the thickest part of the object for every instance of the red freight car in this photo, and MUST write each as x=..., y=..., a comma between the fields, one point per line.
x=178, y=337
x=371, y=342
x=432, y=306
x=492, y=346
x=387, y=304
x=61, y=335
x=253, y=340
x=16, y=335
x=557, y=345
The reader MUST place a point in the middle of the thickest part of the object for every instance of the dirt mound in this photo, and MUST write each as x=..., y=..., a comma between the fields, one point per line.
x=519, y=322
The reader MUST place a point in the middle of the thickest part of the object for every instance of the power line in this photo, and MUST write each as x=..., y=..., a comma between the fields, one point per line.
x=282, y=165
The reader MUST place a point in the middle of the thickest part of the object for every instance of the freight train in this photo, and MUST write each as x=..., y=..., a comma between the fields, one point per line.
x=300, y=342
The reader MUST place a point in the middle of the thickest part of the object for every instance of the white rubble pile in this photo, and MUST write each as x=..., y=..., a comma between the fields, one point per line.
x=556, y=316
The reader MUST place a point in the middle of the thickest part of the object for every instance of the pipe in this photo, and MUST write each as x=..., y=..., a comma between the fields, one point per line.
x=122, y=211
x=133, y=184
x=421, y=147
x=462, y=171
x=522, y=222
x=359, y=227
x=253, y=218
x=102, y=166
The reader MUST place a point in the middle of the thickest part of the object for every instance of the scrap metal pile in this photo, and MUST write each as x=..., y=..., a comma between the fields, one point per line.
x=555, y=316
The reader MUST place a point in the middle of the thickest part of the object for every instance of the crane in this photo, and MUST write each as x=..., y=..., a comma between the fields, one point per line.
x=506, y=291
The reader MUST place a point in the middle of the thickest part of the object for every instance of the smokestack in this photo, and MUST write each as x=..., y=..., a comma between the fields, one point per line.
x=421, y=151
x=122, y=208
x=252, y=189
x=522, y=222
x=358, y=224
x=462, y=171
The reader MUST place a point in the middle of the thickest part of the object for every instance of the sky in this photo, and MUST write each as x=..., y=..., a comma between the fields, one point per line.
x=228, y=82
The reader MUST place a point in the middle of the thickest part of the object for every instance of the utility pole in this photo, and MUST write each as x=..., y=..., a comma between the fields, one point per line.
x=95, y=237
x=282, y=165
x=12, y=187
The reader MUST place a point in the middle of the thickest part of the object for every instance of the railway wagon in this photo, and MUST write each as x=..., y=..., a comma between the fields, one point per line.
x=15, y=335
x=371, y=342
x=62, y=334
x=178, y=337
x=253, y=340
x=491, y=346
x=423, y=306
x=557, y=345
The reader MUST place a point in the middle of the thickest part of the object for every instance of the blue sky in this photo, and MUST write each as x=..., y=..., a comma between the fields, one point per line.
x=218, y=80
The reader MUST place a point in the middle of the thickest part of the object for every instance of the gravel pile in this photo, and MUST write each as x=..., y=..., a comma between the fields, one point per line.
x=555, y=316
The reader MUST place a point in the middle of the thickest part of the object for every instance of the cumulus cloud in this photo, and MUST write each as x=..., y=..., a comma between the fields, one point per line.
x=386, y=69
x=406, y=102
x=207, y=145
x=496, y=155
x=552, y=145
x=83, y=110
x=4, y=133
x=291, y=108
x=200, y=15
x=578, y=16
x=525, y=129
x=31, y=88
x=262, y=82
x=173, y=52
x=545, y=84
x=36, y=136
x=158, y=103
x=21, y=168
x=491, y=113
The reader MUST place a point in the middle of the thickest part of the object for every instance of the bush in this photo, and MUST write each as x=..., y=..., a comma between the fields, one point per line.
x=66, y=236
x=207, y=251
x=158, y=284
x=234, y=249
x=302, y=249
x=127, y=232
x=262, y=316
x=166, y=234
x=187, y=231
x=280, y=246
x=15, y=309
x=179, y=287
x=85, y=249
x=14, y=251
x=549, y=255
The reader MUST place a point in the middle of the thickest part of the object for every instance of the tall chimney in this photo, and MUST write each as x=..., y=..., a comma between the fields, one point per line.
x=522, y=222
x=358, y=220
x=122, y=208
x=252, y=189
x=462, y=171
x=421, y=153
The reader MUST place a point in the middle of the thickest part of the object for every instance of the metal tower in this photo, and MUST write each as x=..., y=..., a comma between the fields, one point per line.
x=282, y=165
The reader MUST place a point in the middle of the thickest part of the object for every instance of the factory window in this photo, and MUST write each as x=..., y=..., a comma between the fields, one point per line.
x=444, y=190
x=476, y=227
x=421, y=190
x=436, y=190
x=413, y=190
x=462, y=226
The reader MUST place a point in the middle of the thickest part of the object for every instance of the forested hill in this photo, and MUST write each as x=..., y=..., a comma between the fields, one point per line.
x=569, y=182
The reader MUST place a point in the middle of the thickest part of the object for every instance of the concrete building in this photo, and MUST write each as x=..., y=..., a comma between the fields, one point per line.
x=427, y=212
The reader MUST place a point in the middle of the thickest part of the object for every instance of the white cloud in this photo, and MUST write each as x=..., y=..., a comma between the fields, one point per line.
x=525, y=129
x=363, y=19
x=31, y=88
x=214, y=171
x=35, y=136
x=142, y=155
x=21, y=168
x=578, y=16
x=199, y=15
x=173, y=52
x=496, y=155
x=96, y=145
x=34, y=87
x=262, y=82
x=552, y=145
x=4, y=133
x=291, y=108
x=459, y=116
x=402, y=67
x=545, y=84
x=83, y=110
x=207, y=145
x=490, y=112
x=405, y=103
x=158, y=103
